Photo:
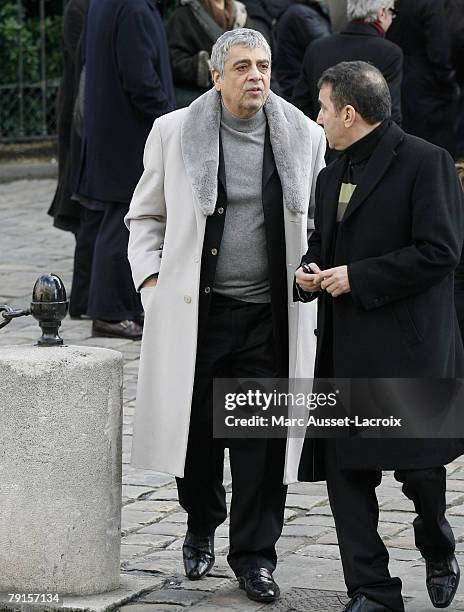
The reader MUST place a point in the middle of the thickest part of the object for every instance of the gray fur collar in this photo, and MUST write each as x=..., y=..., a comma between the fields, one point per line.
x=290, y=134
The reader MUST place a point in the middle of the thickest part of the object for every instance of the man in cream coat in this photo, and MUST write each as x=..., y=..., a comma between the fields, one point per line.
x=218, y=224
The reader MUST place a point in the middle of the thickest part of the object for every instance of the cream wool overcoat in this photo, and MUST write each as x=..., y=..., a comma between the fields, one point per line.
x=167, y=219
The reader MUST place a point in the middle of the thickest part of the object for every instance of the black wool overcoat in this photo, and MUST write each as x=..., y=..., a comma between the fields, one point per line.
x=429, y=91
x=66, y=212
x=128, y=84
x=401, y=237
x=357, y=42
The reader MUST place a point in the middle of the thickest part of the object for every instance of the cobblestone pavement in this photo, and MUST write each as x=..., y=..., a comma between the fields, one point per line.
x=153, y=523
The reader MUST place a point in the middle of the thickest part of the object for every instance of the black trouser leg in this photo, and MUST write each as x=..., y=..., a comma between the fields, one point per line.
x=112, y=295
x=83, y=256
x=258, y=502
x=201, y=492
x=427, y=490
x=356, y=514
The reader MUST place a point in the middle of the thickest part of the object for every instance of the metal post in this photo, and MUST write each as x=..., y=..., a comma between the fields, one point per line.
x=43, y=68
x=20, y=69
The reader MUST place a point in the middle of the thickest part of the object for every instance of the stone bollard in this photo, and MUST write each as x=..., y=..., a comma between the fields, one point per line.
x=60, y=469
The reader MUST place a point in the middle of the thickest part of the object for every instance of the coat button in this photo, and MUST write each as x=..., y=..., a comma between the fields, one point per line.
x=207, y=289
x=187, y=299
x=214, y=251
x=220, y=210
x=316, y=332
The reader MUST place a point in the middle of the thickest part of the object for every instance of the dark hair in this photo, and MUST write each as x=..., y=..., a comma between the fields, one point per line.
x=360, y=85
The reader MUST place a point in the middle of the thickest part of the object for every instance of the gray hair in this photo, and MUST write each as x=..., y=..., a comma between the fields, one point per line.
x=361, y=86
x=365, y=9
x=241, y=36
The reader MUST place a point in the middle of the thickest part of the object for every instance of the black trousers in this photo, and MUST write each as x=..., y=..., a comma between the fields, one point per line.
x=111, y=292
x=238, y=342
x=356, y=513
x=83, y=257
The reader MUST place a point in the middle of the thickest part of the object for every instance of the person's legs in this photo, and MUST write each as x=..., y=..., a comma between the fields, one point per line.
x=426, y=488
x=112, y=295
x=201, y=491
x=356, y=513
x=258, y=503
x=83, y=256
x=434, y=536
x=257, y=465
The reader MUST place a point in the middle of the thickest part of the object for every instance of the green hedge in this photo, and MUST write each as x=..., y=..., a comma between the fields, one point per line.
x=14, y=29
x=11, y=31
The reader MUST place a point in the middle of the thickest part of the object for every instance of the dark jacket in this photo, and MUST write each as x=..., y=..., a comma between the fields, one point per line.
x=401, y=237
x=455, y=14
x=359, y=41
x=267, y=9
x=128, y=85
x=299, y=26
x=275, y=239
x=66, y=212
x=191, y=34
x=429, y=87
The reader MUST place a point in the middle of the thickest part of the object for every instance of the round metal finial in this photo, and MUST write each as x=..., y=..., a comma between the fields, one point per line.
x=49, y=306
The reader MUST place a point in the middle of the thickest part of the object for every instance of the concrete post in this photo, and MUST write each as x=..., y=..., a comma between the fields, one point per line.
x=60, y=469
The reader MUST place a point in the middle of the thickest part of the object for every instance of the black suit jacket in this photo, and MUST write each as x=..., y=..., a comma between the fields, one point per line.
x=359, y=41
x=401, y=237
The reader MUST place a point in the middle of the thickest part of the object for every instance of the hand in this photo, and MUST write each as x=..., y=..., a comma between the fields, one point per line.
x=309, y=282
x=150, y=282
x=335, y=281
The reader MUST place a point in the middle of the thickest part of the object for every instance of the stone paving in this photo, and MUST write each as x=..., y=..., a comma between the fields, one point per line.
x=153, y=524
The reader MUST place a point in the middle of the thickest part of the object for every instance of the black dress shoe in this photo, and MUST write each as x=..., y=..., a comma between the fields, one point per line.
x=129, y=330
x=360, y=603
x=198, y=553
x=442, y=581
x=259, y=585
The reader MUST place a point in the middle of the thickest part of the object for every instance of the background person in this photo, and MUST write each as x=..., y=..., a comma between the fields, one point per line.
x=192, y=31
x=128, y=84
x=429, y=90
x=301, y=24
x=363, y=39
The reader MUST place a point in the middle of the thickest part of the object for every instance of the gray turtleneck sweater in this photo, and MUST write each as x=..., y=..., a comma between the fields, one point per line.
x=242, y=267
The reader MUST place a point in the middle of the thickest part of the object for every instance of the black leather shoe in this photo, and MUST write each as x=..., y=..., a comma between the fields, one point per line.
x=259, y=585
x=442, y=581
x=198, y=553
x=360, y=603
x=129, y=330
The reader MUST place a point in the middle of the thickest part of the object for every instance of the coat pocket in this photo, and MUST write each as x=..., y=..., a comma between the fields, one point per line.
x=406, y=323
x=146, y=294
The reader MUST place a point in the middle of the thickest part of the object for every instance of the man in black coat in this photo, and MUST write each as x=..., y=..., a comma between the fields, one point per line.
x=429, y=92
x=64, y=209
x=128, y=84
x=300, y=25
x=389, y=226
x=363, y=39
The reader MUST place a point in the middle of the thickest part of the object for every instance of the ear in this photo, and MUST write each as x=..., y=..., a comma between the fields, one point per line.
x=349, y=115
x=217, y=81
